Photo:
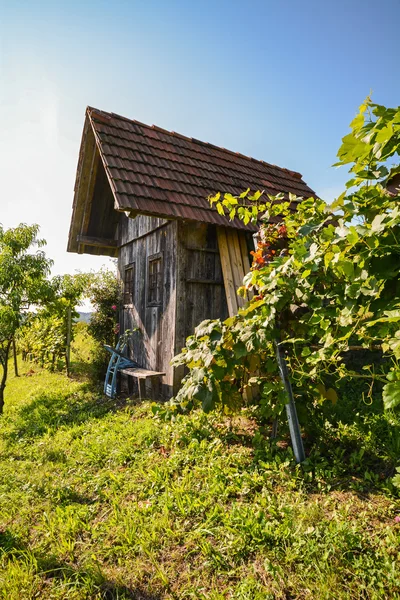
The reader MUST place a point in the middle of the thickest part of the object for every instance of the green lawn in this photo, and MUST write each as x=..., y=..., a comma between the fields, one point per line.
x=102, y=500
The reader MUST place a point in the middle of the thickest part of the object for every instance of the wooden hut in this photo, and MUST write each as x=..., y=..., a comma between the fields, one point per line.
x=141, y=196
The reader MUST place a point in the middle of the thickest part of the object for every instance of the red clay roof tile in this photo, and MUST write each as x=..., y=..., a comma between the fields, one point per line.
x=167, y=174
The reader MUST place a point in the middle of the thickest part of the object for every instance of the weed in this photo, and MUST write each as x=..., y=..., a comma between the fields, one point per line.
x=99, y=501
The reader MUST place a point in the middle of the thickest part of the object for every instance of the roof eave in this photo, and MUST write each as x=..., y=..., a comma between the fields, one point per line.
x=86, y=154
x=83, y=191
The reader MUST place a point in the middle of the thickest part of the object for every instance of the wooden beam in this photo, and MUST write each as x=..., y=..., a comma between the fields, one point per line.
x=96, y=116
x=236, y=263
x=245, y=258
x=230, y=290
x=244, y=251
x=233, y=269
x=97, y=242
x=90, y=190
x=86, y=153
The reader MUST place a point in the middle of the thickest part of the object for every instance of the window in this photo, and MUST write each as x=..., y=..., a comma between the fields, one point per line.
x=155, y=280
x=129, y=283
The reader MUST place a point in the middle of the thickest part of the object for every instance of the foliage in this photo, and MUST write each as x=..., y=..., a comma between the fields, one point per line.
x=47, y=332
x=24, y=268
x=44, y=338
x=326, y=280
x=105, y=294
x=104, y=291
x=100, y=501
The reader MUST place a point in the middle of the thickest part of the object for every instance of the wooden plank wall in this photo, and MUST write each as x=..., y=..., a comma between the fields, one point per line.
x=193, y=287
x=235, y=264
x=141, y=238
x=200, y=285
x=131, y=229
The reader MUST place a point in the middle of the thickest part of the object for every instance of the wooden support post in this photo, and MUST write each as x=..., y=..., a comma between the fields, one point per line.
x=235, y=260
x=230, y=290
x=245, y=259
x=233, y=270
x=237, y=265
x=68, y=341
x=15, y=358
x=142, y=388
x=244, y=252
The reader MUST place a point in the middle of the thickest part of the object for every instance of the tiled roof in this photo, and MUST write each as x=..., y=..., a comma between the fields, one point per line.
x=154, y=171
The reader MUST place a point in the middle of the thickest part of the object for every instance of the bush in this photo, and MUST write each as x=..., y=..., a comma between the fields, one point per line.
x=105, y=294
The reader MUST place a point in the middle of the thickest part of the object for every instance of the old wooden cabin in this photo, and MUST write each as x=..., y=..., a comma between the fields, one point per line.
x=141, y=196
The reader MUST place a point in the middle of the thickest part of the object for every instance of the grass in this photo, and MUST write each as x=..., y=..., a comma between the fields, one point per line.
x=101, y=500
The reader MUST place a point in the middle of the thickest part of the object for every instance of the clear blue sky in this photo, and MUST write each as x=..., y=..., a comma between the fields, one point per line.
x=277, y=80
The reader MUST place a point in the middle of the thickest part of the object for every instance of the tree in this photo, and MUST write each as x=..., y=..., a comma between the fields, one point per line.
x=24, y=269
x=326, y=283
x=47, y=334
x=69, y=292
x=104, y=291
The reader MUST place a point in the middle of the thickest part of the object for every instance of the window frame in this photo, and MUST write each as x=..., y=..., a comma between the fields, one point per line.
x=160, y=280
x=130, y=267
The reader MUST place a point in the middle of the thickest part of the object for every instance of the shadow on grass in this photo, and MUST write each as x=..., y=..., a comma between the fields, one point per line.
x=81, y=368
x=49, y=410
x=351, y=445
x=87, y=579
x=66, y=496
x=9, y=542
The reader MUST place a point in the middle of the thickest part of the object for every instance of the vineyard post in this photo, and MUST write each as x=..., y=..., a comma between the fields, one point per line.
x=15, y=358
x=68, y=345
x=291, y=412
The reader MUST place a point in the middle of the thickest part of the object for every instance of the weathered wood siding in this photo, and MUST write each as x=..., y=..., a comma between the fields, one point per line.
x=131, y=229
x=200, y=286
x=154, y=347
x=193, y=288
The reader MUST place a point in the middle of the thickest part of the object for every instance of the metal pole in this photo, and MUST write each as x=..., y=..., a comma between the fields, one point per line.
x=291, y=412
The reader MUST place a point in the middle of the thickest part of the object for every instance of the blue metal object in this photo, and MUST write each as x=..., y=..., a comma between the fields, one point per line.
x=117, y=363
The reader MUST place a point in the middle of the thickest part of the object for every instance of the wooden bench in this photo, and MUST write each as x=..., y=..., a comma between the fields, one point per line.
x=142, y=375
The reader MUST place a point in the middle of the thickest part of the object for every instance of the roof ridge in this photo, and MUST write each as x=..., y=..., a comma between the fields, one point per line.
x=95, y=112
